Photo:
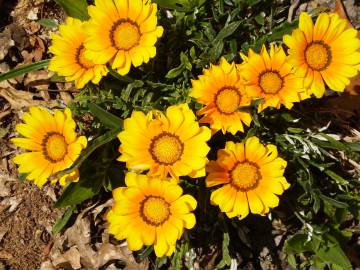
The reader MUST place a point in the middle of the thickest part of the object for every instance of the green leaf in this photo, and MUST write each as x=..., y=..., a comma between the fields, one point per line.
x=180, y=5
x=226, y=31
x=89, y=185
x=260, y=18
x=333, y=202
x=331, y=252
x=76, y=9
x=94, y=173
x=177, y=258
x=22, y=177
x=338, y=179
x=108, y=119
x=23, y=69
x=295, y=130
x=175, y=72
x=354, y=146
x=292, y=260
x=99, y=141
x=226, y=259
x=57, y=78
x=297, y=244
x=184, y=64
x=61, y=223
x=336, y=144
x=48, y=23
x=117, y=76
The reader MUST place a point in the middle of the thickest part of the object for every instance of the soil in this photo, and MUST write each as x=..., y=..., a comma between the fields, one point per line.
x=28, y=238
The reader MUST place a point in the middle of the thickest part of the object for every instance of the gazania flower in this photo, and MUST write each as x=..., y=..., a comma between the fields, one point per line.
x=52, y=144
x=270, y=77
x=122, y=32
x=251, y=176
x=221, y=90
x=326, y=51
x=165, y=144
x=69, y=59
x=150, y=212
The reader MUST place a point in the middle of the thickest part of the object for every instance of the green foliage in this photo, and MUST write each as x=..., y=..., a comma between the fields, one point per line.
x=76, y=9
x=181, y=5
x=226, y=259
x=48, y=23
x=327, y=251
x=61, y=223
x=107, y=119
x=23, y=69
x=323, y=195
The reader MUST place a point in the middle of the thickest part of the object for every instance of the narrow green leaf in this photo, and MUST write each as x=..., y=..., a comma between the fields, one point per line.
x=175, y=72
x=331, y=252
x=57, y=78
x=23, y=69
x=61, y=223
x=48, y=23
x=292, y=260
x=108, y=119
x=295, y=130
x=333, y=202
x=116, y=75
x=76, y=9
x=226, y=31
x=180, y=5
x=226, y=259
x=99, y=141
x=297, y=244
x=338, y=179
x=354, y=146
x=336, y=144
x=75, y=193
x=22, y=177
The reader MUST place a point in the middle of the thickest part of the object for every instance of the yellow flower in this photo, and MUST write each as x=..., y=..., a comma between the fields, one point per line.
x=52, y=143
x=221, y=90
x=251, y=175
x=150, y=211
x=326, y=51
x=122, y=32
x=270, y=77
x=69, y=59
x=165, y=144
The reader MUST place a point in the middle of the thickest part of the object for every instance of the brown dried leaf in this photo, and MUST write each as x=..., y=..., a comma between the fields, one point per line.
x=340, y=9
x=39, y=80
x=93, y=255
x=6, y=42
x=69, y=260
x=21, y=99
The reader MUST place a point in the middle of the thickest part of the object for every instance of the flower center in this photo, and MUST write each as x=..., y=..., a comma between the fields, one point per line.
x=245, y=176
x=318, y=55
x=166, y=148
x=227, y=100
x=270, y=82
x=124, y=35
x=82, y=60
x=154, y=210
x=54, y=147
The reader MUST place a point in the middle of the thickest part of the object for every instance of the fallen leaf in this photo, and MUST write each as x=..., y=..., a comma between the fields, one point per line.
x=21, y=99
x=340, y=9
x=3, y=231
x=72, y=257
x=6, y=42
